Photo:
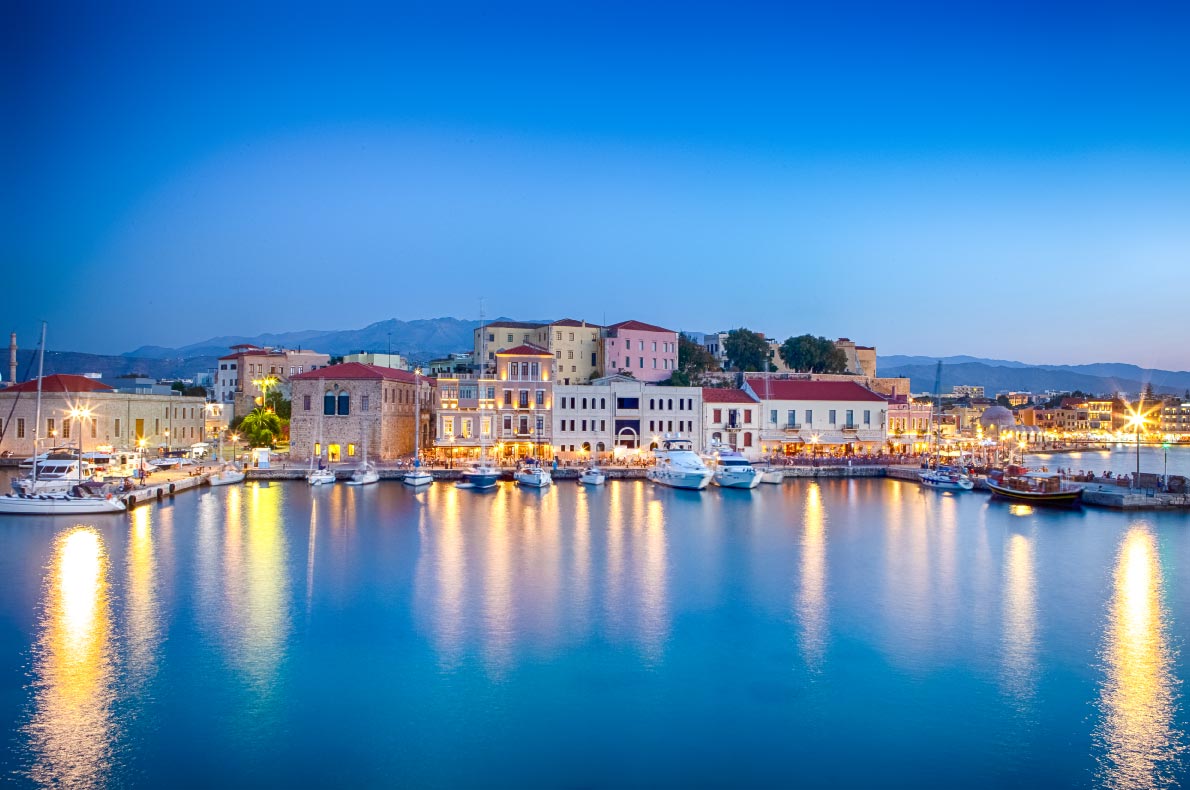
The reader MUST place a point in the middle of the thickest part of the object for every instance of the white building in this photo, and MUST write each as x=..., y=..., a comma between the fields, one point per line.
x=731, y=417
x=618, y=414
x=836, y=417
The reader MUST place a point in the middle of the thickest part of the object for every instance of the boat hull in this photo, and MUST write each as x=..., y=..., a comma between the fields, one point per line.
x=416, y=479
x=227, y=479
x=1050, y=498
x=59, y=506
x=774, y=476
x=736, y=479
x=692, y=480
x=482, y=480
x=366, y=479
x=592, y=479
x=320, y=479
x=534, y=479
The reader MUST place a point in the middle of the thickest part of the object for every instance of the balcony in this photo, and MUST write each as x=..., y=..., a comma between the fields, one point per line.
x=791, y=427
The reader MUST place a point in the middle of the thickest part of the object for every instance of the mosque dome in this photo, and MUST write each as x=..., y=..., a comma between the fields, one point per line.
x=997, y=418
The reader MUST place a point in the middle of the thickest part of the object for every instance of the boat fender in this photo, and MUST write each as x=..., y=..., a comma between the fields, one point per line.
x=109, y=496
x=159, y=494
x=130, y=502
x=171, y=488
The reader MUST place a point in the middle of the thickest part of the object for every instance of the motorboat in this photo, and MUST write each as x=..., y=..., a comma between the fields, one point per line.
x=730, y=469
x=532, y=474
x=55, y=475
x=677, y=465
x=58, y=452
x=1035, y=488
x=320, y=477
x=482, y=475
x=592, y=476
x=946, y=478
x=418, y=477
x=75, y=504
x=366, y=474
x=772, y=474
x=227, y=475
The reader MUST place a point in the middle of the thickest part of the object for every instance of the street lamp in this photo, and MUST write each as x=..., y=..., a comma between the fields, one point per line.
x=235, y=437
x=1137, y=421
x=80, y=415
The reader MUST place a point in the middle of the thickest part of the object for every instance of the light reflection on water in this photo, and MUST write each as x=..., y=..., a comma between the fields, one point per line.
x=812, y=606
x=1139, y=697
x=1020, y=621
x=72, y=730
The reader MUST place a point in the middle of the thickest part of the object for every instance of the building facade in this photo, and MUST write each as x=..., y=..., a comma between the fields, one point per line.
x=1174, y=418
x=910, y=423
x=619, y=415
x=395, y=361
x=339, y=409
x=836, y=417
x=644, y=351
x=238, y=379
x=861, y=360
x=731, y=417
x=119, y=420
x=505, y=415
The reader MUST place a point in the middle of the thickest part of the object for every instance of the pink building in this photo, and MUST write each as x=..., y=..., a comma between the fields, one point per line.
x=649, y=353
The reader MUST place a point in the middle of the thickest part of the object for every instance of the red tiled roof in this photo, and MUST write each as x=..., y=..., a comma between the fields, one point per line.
x=725, y=395
x=524, y=351
x=640, y=326
x=230, y=356
x=61, y=382
x=513, y=325
x=800, y=389
x=357, y=371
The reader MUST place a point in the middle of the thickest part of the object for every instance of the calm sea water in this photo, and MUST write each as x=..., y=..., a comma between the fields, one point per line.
x=849, y=633
x=1120, y=460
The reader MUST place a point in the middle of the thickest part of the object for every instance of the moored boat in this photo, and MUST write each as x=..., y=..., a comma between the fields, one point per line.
x=945, y=478
x=677, y=465
x=592, y=476
x=227, y=475
x=730, y=469
x=60, y=505
x=772, y=474
x=320, y=477
x=482, y=476
x=418, y=477
x=532, y=474
x=365, y=475
x=1036, y=488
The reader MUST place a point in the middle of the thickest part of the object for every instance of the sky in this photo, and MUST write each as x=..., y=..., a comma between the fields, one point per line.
x=995, y=179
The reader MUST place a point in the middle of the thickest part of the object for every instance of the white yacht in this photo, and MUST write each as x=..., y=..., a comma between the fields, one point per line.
x=678, y=466
x=730, y=469
x=56, y=474
x=532, y=474
x=60, y=504
x=772, y=474
x=592, y=476
x=418, y=477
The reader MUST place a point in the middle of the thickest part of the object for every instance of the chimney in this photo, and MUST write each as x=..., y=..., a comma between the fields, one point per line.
x=12, y=359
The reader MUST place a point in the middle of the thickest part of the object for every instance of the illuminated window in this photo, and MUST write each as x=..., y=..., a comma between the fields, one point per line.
x=350, y=450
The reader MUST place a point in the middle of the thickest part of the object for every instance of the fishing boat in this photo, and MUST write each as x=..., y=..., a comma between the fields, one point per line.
x=677, y=465
x=946, y=478
x=532, y=474
x=1036, y=488
x=592, y=476
x=418, y=477
x=227, y=475
x=730, y=469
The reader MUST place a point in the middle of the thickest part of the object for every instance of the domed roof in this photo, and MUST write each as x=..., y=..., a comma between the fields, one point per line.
x=997, y=417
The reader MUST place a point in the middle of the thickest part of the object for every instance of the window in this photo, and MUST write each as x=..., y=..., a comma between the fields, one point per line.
x=558, y=334
x=117, y=427
x=747, y=439
x=21, y=427
x=809, y=417
x=514, y=370
x=670, y=404
x=540, y=397
x=584, y=425
x=671, y=426
x=507, y=397
x=627, y=403
x=448, y=426
x=94, y=420
x=640, y=345
x=328, y=402
x=540, y=425
x=830, y=417
x=793, y=418
x=603, y=426
x=508, y=422
x=642, y=362
x=654, y=345
x=773, y=417
x=510, y=337
x=570, y=355
x=344, y=403
x=465, y=425
x=652, y=404
x=557, y=355
x=523, y=399
x=850, y=418
x=867, y=416
x=486, y=426
x=747, y=415
x=603, y=403
x=717, y=415
x=491, y=393
x=593, y=363
x=66, y=429
x=351, y=450
x=363, y=402
x=536, y=375
x=49, y=428
x=652, y=427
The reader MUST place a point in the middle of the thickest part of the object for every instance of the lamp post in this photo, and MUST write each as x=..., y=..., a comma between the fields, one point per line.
x=1137, y=420
x=235, y=437
x=79, y=415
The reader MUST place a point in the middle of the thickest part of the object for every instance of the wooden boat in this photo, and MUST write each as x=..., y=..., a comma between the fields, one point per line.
x=1036, y=488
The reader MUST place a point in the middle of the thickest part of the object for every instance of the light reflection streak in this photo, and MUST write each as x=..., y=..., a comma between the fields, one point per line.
x=142, y=608
x=1020, y=620
x=72, y=729
x=654, y=618
x=1138, y=699
x=498, y=612
x=811, y=595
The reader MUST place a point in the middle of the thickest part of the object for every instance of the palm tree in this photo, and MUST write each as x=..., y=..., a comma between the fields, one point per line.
x=261, y=427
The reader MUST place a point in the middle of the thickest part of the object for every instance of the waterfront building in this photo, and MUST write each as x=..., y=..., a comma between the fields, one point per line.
x=910, y=421
x=395, y=361
x=820, y=416
x=622, y=415
x=1174, y=418
x=731, y=417
x=578, y=350
x=861, y=360
x=1100, y=415
x=453, y=365
x=506, y=412
x=120, y=420
x=644, y=351
x=491, y=337
x=238, y=380
x=352, y=403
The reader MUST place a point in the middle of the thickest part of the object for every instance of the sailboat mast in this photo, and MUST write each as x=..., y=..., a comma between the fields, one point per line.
x=483, y=364
x=37, y=417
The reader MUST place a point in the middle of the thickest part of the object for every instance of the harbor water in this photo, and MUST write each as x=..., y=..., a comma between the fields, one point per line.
x=857, y=633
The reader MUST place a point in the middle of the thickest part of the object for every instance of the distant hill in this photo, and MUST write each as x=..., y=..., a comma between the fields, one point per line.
x=1170, y=380
x=1024, y=378
x=110, y=366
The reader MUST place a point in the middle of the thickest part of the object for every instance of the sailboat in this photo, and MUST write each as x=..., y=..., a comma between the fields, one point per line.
x=483, y=474
x=418, y=477
x=366, y=474
x=229, y=473
x=320, y=476
x=35, y=500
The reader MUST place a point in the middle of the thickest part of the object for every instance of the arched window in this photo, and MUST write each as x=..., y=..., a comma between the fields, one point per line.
x=328, y=402
x=671, y=404
x=652, y=404
x=344, y=402
x=599, y=447
x=603, y=403
x=584, y=403
x=586, y=447
x=716, y=437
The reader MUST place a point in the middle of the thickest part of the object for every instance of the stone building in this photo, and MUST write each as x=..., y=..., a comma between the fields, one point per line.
x=337, y=409
x=119, y=420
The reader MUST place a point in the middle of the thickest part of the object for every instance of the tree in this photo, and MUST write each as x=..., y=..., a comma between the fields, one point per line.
x=747, y=351
x=261, y=428
x=178, y=386
x=811, y=354
x=693, y=361
x=1003, y=401
x=1149, y=395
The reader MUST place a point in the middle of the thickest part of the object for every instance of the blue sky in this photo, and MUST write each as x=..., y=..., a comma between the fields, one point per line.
x=1001, y=180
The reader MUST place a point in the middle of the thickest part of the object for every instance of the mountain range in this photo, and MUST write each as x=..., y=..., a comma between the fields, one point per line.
x=423, y=339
